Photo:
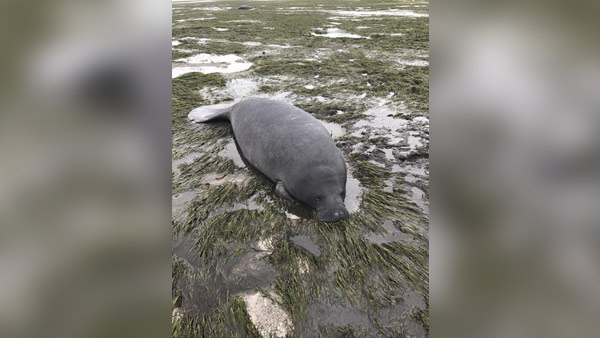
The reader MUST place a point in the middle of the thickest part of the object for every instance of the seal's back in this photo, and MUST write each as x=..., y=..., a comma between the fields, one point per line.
x=270, y=131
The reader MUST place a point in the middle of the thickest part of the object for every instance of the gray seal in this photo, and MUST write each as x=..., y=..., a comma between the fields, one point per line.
x=292, y=148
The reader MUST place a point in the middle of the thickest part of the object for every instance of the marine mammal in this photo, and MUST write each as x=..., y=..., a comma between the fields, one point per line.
x=292, y=148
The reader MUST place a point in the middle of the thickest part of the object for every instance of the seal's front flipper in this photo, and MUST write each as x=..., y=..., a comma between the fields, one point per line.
x=212, y=112
x=282, y=191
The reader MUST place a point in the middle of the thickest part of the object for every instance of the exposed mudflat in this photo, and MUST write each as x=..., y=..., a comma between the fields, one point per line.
x=247, y=263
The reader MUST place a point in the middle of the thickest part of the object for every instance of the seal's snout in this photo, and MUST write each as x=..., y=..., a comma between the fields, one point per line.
x=340, y=215
x=334, y=214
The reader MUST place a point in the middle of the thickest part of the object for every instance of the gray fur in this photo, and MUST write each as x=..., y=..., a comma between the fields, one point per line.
x=290, y=147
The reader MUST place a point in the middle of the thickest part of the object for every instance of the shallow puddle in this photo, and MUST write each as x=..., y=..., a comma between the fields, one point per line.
x=304, y=242
x=411, y=302
x=240, y=89
x=210, y=63
x=383, y=118
x=334, y=129
x=250, y=204
x=324, y=316
x=189, y=158
x=179, y=203
x=418, y=196
x=390, y=234
x=354, y=192
x=339, y=33
x=232, y=152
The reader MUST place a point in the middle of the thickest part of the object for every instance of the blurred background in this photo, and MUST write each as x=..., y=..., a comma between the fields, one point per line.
x=85, y=168
x=515, y=169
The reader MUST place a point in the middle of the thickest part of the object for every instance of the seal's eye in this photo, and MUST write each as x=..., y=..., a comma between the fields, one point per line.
x=317, y=199
x=343, y=194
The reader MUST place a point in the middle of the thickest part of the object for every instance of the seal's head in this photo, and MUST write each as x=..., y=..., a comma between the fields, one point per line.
x=330, y=207
x=325, y=191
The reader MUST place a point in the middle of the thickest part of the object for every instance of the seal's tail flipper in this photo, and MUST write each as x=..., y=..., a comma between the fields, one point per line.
x=212, y=112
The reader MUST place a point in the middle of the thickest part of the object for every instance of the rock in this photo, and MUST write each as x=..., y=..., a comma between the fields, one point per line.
x=268, y=318
x=264, y=245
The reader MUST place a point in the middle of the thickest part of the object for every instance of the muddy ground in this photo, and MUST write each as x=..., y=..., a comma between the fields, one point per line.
x=245, y=262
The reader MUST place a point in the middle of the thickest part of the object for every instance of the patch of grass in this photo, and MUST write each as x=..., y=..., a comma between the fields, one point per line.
x=288, y=26
x=399, y=265
x=191, y=174
x=328, y=111
x=230, y=319
x=294, y=288
x=199, y=138
x=423, y=317
x=177, y=270
x=186, y=97
x=223, y=48
x=185, y=91
x=180, y=55
x=367, y=172
x=380, y=78
x=224, y=227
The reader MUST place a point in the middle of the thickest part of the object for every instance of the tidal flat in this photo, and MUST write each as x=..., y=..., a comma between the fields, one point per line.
x=245, y=262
